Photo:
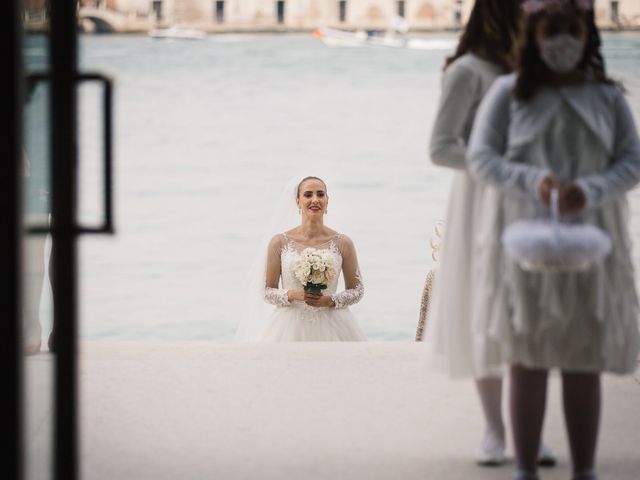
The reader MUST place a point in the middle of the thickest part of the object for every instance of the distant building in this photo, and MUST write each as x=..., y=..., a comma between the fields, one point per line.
x=291, y=15
x=618, y=13
x=300, y=14
x=309, y=14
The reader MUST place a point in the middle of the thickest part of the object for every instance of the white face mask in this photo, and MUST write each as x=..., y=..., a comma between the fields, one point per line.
x=561, y=53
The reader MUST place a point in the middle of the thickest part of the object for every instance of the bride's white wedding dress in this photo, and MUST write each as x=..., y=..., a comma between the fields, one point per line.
x=297, y=321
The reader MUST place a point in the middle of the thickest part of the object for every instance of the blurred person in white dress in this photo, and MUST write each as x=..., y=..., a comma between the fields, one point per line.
x=37, y=214
x=486, y=50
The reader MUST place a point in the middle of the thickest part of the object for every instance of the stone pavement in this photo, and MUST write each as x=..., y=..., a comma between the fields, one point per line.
x=200, y=410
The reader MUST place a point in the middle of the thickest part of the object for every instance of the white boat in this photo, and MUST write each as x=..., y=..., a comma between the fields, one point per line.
x=335, y=38
x=332, y=37
x=179, y=33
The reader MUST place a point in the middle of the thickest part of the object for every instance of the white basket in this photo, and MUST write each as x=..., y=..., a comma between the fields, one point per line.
x=549, y=245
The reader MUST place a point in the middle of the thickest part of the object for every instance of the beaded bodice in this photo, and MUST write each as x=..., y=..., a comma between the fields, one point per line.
x=289, y=254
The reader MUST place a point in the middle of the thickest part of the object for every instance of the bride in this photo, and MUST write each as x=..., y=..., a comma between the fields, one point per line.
x=301, y=315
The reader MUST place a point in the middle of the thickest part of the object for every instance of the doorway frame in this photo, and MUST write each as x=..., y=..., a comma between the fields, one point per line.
x=62, y=138
x=11, y=180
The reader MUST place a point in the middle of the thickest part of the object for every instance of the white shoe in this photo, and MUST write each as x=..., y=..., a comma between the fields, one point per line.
x=491, y=452
x=546, y=457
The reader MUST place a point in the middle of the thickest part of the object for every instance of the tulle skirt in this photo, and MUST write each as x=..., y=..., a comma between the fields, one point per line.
x=574, y=321
x=486, y=312
x=302, y=323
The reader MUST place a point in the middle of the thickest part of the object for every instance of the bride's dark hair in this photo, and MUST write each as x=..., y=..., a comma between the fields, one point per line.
x=309, y=178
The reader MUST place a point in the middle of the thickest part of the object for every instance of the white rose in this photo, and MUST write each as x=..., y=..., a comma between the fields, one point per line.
x=318, y=278
x=302, y=270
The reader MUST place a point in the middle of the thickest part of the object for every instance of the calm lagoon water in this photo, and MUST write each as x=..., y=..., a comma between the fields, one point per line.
x=207, y=135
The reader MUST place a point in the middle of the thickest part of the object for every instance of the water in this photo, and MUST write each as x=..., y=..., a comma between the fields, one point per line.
x=208, y=133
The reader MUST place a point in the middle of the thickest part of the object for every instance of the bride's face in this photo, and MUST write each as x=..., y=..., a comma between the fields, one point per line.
x=312, y=199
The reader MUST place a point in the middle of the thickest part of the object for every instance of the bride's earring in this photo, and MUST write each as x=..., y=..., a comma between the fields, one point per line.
x=299, y=211
x=326, y=210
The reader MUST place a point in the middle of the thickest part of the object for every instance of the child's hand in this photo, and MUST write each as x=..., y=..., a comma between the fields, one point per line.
x=572, y=198
x=546, y=185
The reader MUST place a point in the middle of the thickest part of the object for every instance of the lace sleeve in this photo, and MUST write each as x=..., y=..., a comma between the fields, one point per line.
x=276, y=296
x=354, y=288
x=348, y=297
x=272, y=293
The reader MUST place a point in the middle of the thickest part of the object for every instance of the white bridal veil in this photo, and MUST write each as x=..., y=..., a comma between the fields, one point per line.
x=256, y=311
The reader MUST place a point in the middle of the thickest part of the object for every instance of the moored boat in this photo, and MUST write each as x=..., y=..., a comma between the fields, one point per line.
x=178, y=33
x=335, y=38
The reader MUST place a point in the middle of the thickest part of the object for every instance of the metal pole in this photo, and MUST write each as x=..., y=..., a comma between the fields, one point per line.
x=11, y=181
x=64, y=187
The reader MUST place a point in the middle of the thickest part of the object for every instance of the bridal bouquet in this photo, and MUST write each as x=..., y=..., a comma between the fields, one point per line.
x=315, y=269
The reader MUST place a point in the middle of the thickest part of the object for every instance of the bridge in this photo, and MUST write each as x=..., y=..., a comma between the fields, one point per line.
x=102, y=20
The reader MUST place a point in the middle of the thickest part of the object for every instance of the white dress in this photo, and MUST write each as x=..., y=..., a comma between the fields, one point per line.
x=573, y=321
x=451, y=346
x=296, y=321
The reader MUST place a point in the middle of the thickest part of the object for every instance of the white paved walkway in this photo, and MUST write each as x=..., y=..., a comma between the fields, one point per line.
x=304, y=411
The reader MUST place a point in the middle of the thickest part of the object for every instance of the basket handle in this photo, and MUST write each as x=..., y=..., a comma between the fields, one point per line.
x=555, y=205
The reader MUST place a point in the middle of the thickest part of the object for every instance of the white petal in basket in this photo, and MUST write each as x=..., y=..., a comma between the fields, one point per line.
x=549, y=245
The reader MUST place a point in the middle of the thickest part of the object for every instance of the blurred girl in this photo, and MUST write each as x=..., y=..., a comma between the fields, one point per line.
x=486, y=50
x=558, y=123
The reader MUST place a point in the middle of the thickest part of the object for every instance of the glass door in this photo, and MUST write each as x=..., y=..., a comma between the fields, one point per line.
x=38, y=336
x=38, y=214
